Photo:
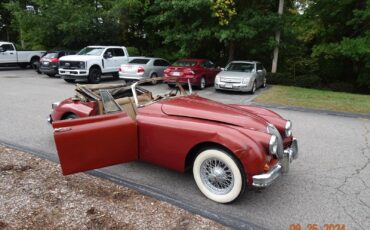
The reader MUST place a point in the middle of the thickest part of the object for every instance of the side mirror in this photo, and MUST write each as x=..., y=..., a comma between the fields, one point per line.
x=259, y=71
x=108, y=55
x=222, y=69
x=2, y=49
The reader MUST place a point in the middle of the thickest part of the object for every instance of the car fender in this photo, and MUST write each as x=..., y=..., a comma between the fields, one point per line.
x=150, y=73
x=92, y=63
x=78, y=108
x=175, y=137
x=267, y=114
x=249, y=146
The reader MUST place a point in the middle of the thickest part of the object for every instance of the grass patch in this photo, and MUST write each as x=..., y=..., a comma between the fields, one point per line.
x=316, y=99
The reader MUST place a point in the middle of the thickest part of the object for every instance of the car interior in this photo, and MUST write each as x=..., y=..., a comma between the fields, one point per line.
x=113, y=98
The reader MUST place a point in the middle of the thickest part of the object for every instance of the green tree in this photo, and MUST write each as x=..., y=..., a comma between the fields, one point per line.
x=221, y=31
x=341, y=39
x=64, y=24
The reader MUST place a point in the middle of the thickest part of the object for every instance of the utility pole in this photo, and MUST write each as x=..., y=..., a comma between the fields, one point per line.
x=277, y=39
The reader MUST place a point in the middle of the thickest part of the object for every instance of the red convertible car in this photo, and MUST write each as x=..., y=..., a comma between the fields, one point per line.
x=228, y=147
x=199, y=72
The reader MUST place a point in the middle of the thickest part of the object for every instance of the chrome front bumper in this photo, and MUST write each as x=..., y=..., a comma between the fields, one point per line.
x=233, y=86
x=266, y=179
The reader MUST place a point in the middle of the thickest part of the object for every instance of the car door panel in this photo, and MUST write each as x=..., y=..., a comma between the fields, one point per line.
x=95, y=142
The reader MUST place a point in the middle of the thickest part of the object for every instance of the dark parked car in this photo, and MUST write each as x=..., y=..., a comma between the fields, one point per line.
x=49, y=63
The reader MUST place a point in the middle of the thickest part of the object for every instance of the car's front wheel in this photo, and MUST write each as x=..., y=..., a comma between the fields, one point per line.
x=202, y=83
x=218, y=175
x=254, y=88
x=94, y=75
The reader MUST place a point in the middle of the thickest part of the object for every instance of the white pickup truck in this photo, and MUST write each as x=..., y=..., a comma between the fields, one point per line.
x=9, y=56
x=93, y=63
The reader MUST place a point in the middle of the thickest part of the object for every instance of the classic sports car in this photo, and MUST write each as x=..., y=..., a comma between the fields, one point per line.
x=228, y=147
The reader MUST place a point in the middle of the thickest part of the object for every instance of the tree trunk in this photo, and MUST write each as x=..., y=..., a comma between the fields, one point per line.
x=277, y=38
x=231, y=51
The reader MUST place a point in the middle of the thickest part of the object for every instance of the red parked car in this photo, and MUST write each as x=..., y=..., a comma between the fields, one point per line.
x=200, y=72
x=228, y=147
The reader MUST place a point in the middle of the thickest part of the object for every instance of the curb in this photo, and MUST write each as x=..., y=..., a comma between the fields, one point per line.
x=153, y=192
x=308, y=110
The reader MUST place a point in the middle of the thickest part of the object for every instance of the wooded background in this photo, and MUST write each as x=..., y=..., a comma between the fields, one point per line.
x=323, y=43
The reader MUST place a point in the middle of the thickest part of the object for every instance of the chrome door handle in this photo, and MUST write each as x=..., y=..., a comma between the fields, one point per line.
x=60, y=130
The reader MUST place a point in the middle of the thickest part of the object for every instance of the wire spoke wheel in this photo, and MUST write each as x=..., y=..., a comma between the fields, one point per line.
x=217, y=176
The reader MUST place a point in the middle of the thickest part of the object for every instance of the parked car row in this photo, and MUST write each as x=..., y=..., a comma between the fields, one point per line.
x=245, y=76
x=93, y=63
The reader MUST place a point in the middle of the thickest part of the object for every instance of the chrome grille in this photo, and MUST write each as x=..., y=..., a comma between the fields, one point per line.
x=231, y=79
x=271, y=129
x=69, y=64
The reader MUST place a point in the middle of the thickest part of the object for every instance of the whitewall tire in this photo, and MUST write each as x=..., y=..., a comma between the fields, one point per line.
x=218, y=175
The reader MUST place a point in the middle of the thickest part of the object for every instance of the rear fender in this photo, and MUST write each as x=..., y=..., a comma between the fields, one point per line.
x=80, y=109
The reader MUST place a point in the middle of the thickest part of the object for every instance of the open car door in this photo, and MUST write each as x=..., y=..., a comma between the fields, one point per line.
x=95, y=142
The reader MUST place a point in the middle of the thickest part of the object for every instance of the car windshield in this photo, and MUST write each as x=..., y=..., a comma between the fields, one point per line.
x=240, y=67
x=51, y=55
x=139, y=61
x=184, y=63
x=94, y=51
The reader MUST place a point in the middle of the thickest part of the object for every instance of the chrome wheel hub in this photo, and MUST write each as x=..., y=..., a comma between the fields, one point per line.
x=217, y=176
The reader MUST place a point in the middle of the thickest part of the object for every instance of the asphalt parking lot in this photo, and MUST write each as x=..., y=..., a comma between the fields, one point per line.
x=328, y=184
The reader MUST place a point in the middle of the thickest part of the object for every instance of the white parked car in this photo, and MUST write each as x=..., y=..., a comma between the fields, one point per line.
x=9, y=56
x=243, y=76
x=93, y=63
x=142, y=68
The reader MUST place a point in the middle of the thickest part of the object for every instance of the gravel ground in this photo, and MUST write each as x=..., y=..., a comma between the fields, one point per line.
x=35, y=195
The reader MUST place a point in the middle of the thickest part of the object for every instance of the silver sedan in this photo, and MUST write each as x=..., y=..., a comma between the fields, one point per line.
x=143, y=67
x=243, y=76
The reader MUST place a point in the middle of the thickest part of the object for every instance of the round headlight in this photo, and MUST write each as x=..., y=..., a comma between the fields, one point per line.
x=288, y=128
x=273, y=145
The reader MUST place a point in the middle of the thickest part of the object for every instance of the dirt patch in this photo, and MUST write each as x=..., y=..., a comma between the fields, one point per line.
x=35, y=195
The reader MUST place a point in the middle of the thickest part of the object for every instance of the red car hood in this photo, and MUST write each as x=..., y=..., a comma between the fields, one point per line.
x=202, y=108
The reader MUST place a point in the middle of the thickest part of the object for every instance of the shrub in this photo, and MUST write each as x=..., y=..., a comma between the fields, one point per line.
x=279, y=79
x=342, y=87
x=133, y=51
x=307, y=81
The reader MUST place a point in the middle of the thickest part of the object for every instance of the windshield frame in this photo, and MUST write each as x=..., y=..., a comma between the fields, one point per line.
x=86, y=51
x=134, y=94
x=192, y=63
x=240, y=70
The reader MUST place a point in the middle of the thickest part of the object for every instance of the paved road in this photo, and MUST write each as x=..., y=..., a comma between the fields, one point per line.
x=328, y=184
